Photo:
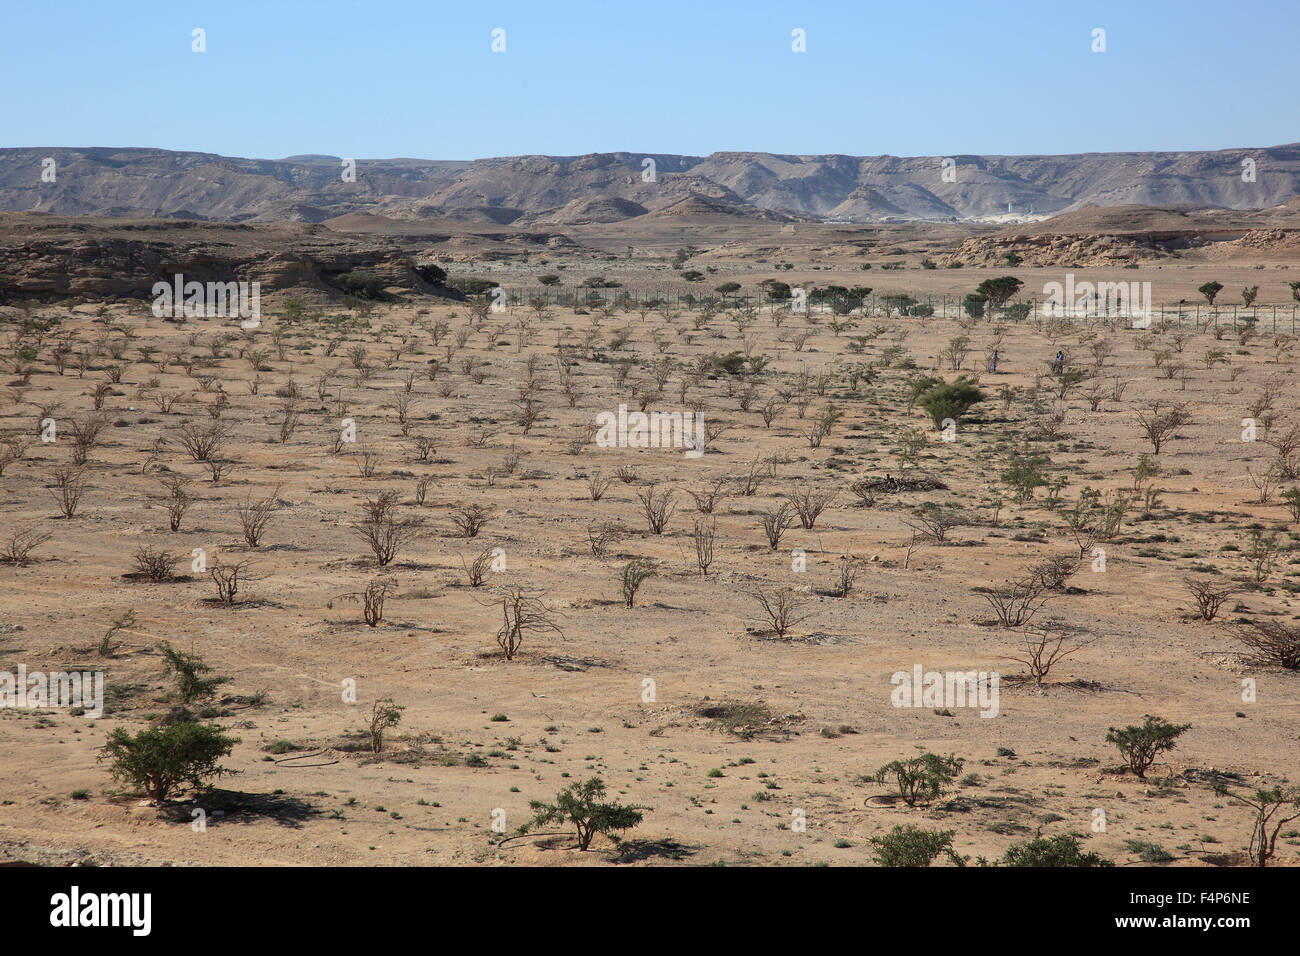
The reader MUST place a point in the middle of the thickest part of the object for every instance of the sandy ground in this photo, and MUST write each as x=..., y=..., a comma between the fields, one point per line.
x=574, y=705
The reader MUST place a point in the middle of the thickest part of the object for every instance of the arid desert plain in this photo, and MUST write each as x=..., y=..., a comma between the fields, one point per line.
x=714, y=629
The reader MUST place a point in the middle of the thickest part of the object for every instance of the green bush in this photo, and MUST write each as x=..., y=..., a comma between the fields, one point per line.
x=583, y=806
x=1062, y=850
x=160, y=760
x=363, y=285
x=1026, y=473
x=430, y=273
x=188, y=668
x=921, y=779
x=950, y=400
x=732, y=363
x=1140, y=745
x=998, y=291
x=472, y=287
x=776, y=291
x=912, y=846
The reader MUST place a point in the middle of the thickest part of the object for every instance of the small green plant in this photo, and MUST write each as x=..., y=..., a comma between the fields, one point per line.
x=1140, y=745
x=188, y=669
x=913, y=847
x=1292, y=498
x=122, y=623
x=635, y=573
x=1149, y=852
x=1058, y=851
x=583, y=805
x=921, y=779
x=733, y=363
x=1025, y=473
x=1262, y=552
x=383, y=714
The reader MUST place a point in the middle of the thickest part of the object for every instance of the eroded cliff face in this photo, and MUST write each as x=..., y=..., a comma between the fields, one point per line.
x=59, y=258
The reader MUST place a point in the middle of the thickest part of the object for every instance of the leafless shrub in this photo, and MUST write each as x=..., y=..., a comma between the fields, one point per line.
x=601, y=535
x=709, y=495
x=522, y=615
x=178, y=498
x=757, y=471
x=1043, y=648
x=422, y=489
x=935, y=522
x=20, y=545
x=469, y=520
x=1262, y=552
x=289, y=419
x=1053, y=573
x=598, y=484
x=481, y=437
x=11, y=450
x=219, y=468
x=510, y=464
x=253, y=516
x=848, y=574
x=1161, y=426
x=1017, y=601
x=713, y=430
x=770, y=410
x=528, y=411
x=809, y=504
x=656, y=508
x=776, y=521
x=580, y=441
x=1273, y=643
x=203, y=442
x=477, y=569
x=372, y=599
x=382, y=529
x=85, y=435
x=424, y=447
x=781, y=609
x=865, y=491
x=1209, y=596
x=229, y=579
x=97, y=397
x=1265, y=482
x=155, y=566
x=367, y=460
x=67, y=487
x=703, y=536
x=166, y=401
x=820, y=427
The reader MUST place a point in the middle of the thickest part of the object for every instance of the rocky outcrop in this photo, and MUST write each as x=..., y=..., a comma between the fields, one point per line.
x=1051, y=251
x=124, y=260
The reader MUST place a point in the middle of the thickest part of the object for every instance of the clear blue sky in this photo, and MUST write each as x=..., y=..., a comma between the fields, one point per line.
x=387, y=78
